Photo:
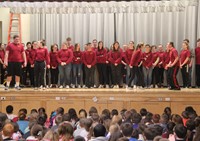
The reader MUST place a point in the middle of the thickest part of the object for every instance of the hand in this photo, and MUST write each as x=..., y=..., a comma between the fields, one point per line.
x=4, y=66
x=62, y=63
x=25, y=64
x=53, y=67
x=181, y=66
x=116, y=64
x=89, y=66
x=6, y=63
x=190, y=65
x=32, y=66
x=130, y=66
x=48, y=66
x=107, y=62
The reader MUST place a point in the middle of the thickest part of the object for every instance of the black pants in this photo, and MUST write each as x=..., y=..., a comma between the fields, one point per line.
x=185, y=75
x=39, y=71
x=155, y=76
x=160, y=76
x=26, y=72
x=172, y=73
x=89, y=76
x=31, y=75
x=2, y=73
x=54, y=75
x=133, y=72
x=116, y=73
x=102, y=70
x=198, y=75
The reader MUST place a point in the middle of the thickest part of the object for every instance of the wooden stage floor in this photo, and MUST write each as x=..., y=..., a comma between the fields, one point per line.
x=155, y=100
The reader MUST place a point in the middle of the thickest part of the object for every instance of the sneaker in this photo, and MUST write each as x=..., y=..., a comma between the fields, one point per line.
x=73, y=86
x=18, y=88
x=134, y=86
x=41, y=87
x=44, y=88
x=36, y=88
x=107, y=86
x=79, y=86
x=61, y=86
x=6, y=88
x=100, y=86
x=67, y=87
x=95, y=86
x=51, y=86
x=156, y=86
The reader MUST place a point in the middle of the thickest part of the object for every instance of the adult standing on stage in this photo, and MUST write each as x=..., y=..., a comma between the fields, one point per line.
x=14, y=57
x=184, y=64
x=41, y=62
x=65, y=58
x=89, y=59
x=115, y=58
x=173, y=67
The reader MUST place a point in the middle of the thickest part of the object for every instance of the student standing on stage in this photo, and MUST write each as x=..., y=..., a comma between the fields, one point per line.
x=147, y=63
x=197, y=58
x=14, y=57
x=32, y=61
x=184, y=64
x=173, y=67
x=127, y=57
x=101, y=53
x=2, y=66
x=89, y=59
x=77, y=66
x=69, y=43
x=115, y=58
x=160, y=65
x=166, y=60
x=40, y=64
x=65, y=57
x=27, y=69
x=134, y=64
x=54, y=65
x=155, y=61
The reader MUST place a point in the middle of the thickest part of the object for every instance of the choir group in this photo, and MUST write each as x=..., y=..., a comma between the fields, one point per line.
x=131, y=66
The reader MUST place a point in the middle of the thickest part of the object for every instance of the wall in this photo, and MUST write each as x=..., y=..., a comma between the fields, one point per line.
x=25, y=25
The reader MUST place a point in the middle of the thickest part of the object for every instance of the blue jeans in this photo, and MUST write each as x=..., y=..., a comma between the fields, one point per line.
x=147, y=76
x=64, y=73
x=77, y=73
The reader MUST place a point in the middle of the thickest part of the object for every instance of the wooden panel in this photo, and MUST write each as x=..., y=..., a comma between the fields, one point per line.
x=178, y=107
x=119, y=105
x=66, y=104
x=100, y=105
x=154, y=107
x=21, y=104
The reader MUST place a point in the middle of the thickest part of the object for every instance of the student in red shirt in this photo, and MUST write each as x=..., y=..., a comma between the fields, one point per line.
x=14, y=57
x=77, y=66
x=69, y=43
x=2, y=66
x=147, y=63
x=27, y=69
x=89, y=60
x=184, y=64
x=127, y=57
x=173, y=67
x=64, y=58
x=165, y=63
x=54, y=65
x=155, y=61
x=135, y=66
x=160, y=65
x=32, y=61
x=101, y=53
x=115, y=58
x=40, y=64
x=197, y=58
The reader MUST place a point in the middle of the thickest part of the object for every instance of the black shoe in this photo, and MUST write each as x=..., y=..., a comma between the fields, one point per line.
x=177, y=88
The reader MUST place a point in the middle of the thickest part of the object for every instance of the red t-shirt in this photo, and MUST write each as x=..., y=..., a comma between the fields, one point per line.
x=172, y=56
x=53, y=59
x=101, y=56
x=115, y=56
x=89, y=58
x=65, y=55
x=166, y=58
x=2, y=54
x=77, y=57
x=197, y=55
x=15, y=52
x=42, y=55
x=147, y=59
x=184, y=54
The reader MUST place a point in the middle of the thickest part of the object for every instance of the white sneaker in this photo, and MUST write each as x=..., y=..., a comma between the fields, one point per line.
x=41, y=87
x=67, y=87
x=134, y=86
x=73, y=86
x=95, y=86
x=61, y=86
x=44, y=88
x=107, y=86
x=100, y=86
x=156, y=86
x=79, y=86
x=83, y=86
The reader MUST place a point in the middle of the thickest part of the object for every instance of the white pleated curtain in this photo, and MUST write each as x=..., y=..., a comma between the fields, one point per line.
x=82, y=28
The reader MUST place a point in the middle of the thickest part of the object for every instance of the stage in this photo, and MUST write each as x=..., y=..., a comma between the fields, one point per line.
x=155, y=100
